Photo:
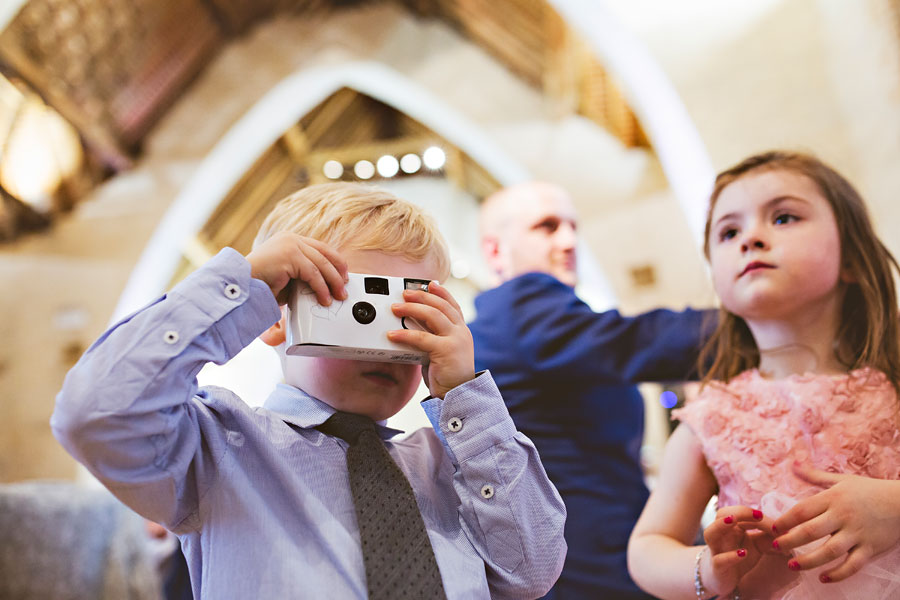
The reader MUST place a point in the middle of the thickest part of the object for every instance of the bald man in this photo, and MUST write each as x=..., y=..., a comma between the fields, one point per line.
x=567, y=375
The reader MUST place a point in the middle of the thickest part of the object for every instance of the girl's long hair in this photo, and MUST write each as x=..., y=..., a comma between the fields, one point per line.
x=868, y=331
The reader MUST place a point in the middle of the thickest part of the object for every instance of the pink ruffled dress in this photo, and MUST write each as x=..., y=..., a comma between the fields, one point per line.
x=753, y=429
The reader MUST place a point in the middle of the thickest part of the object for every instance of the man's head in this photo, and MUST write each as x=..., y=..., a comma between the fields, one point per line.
x=376, y=233
x=530, y=227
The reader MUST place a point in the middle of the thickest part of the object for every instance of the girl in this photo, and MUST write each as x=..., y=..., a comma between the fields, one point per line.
x=799, y=406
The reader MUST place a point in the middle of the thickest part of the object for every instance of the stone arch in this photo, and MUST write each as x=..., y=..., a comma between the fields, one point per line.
x=262, y=125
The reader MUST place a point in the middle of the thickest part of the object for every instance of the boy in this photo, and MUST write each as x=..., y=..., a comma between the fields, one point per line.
x=260, y=497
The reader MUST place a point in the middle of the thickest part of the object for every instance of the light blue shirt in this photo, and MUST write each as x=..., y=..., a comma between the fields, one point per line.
x=260, y=499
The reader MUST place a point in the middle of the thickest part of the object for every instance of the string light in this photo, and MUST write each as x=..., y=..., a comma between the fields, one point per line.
x=410, y=163
x=364, y=169
x=333, y=169
x=387, y=166
x=434, y=158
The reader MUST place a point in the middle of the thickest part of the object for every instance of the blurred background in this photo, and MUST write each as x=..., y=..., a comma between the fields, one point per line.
x=138, y=138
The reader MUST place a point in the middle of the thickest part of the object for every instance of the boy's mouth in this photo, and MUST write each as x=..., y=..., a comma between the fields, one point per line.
x=380, y=377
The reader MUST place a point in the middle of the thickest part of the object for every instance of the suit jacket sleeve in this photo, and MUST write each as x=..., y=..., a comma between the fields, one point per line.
x=545, y=328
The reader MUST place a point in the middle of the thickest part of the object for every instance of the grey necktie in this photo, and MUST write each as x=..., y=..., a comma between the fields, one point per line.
x=397, y=553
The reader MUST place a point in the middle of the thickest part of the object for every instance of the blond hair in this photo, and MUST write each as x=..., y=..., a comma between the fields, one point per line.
x=359, y=217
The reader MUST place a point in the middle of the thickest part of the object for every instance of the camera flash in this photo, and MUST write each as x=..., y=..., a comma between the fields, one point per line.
x=416, y=284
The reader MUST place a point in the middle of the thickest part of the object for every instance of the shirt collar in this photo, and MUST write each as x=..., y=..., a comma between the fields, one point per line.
x=294, y=406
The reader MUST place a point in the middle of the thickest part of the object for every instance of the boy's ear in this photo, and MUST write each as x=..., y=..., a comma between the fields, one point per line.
x=276, y=334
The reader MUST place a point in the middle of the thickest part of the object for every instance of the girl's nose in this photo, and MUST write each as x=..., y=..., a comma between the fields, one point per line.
x=754, y=236
x=754, y=242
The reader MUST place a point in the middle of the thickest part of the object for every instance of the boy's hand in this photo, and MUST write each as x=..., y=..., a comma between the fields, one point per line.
x=286, y=256
x=448, y=341
x=737, y=539
x=861, y=514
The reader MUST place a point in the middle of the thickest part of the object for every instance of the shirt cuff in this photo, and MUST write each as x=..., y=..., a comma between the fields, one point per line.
x=471, y=418
x=223, y=284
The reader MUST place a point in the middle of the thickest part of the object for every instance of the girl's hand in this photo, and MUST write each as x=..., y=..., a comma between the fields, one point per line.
x=448, y=341
x=286, y=256
x=861, y=514
x=737, y=539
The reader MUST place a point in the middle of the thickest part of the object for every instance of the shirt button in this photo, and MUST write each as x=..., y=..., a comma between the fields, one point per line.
x=233, y=291
x=170, y=337
x=454, y=424
x=487, y=492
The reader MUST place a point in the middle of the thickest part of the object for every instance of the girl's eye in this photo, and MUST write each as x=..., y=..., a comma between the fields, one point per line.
x=727, y=233
x=784, y=219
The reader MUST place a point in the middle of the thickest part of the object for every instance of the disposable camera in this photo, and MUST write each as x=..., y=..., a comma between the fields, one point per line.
x=356, y=327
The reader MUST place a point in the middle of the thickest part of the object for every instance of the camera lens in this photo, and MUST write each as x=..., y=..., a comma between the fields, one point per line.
x=363, y=312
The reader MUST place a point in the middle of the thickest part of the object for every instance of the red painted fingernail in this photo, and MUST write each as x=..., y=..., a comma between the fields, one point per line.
x=824, y=578
x=757, y=514
x=742, y=553
x=729, y=520
x=775, y=544
x=793, y=565
x=774, y=529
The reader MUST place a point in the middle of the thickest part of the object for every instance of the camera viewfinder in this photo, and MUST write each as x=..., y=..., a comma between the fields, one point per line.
x=376, y=285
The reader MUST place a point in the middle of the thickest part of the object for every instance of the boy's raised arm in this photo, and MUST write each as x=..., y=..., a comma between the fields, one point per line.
x=509, y=509
x=129, y=409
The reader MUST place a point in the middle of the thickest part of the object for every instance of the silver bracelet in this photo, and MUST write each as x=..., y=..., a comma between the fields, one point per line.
x=698, y=583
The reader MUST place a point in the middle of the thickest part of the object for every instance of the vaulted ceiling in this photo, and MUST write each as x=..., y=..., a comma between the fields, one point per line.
x=113, y=69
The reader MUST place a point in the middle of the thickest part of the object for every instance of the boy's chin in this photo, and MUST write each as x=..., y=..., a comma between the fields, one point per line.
x=358, y=387
x=378, y=412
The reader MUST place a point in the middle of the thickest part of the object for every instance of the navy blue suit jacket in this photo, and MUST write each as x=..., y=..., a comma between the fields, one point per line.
x=567, y=374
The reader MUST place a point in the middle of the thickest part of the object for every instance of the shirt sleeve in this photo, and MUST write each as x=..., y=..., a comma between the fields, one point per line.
x=509, y=509
x=561, y=337
x=130, y=409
